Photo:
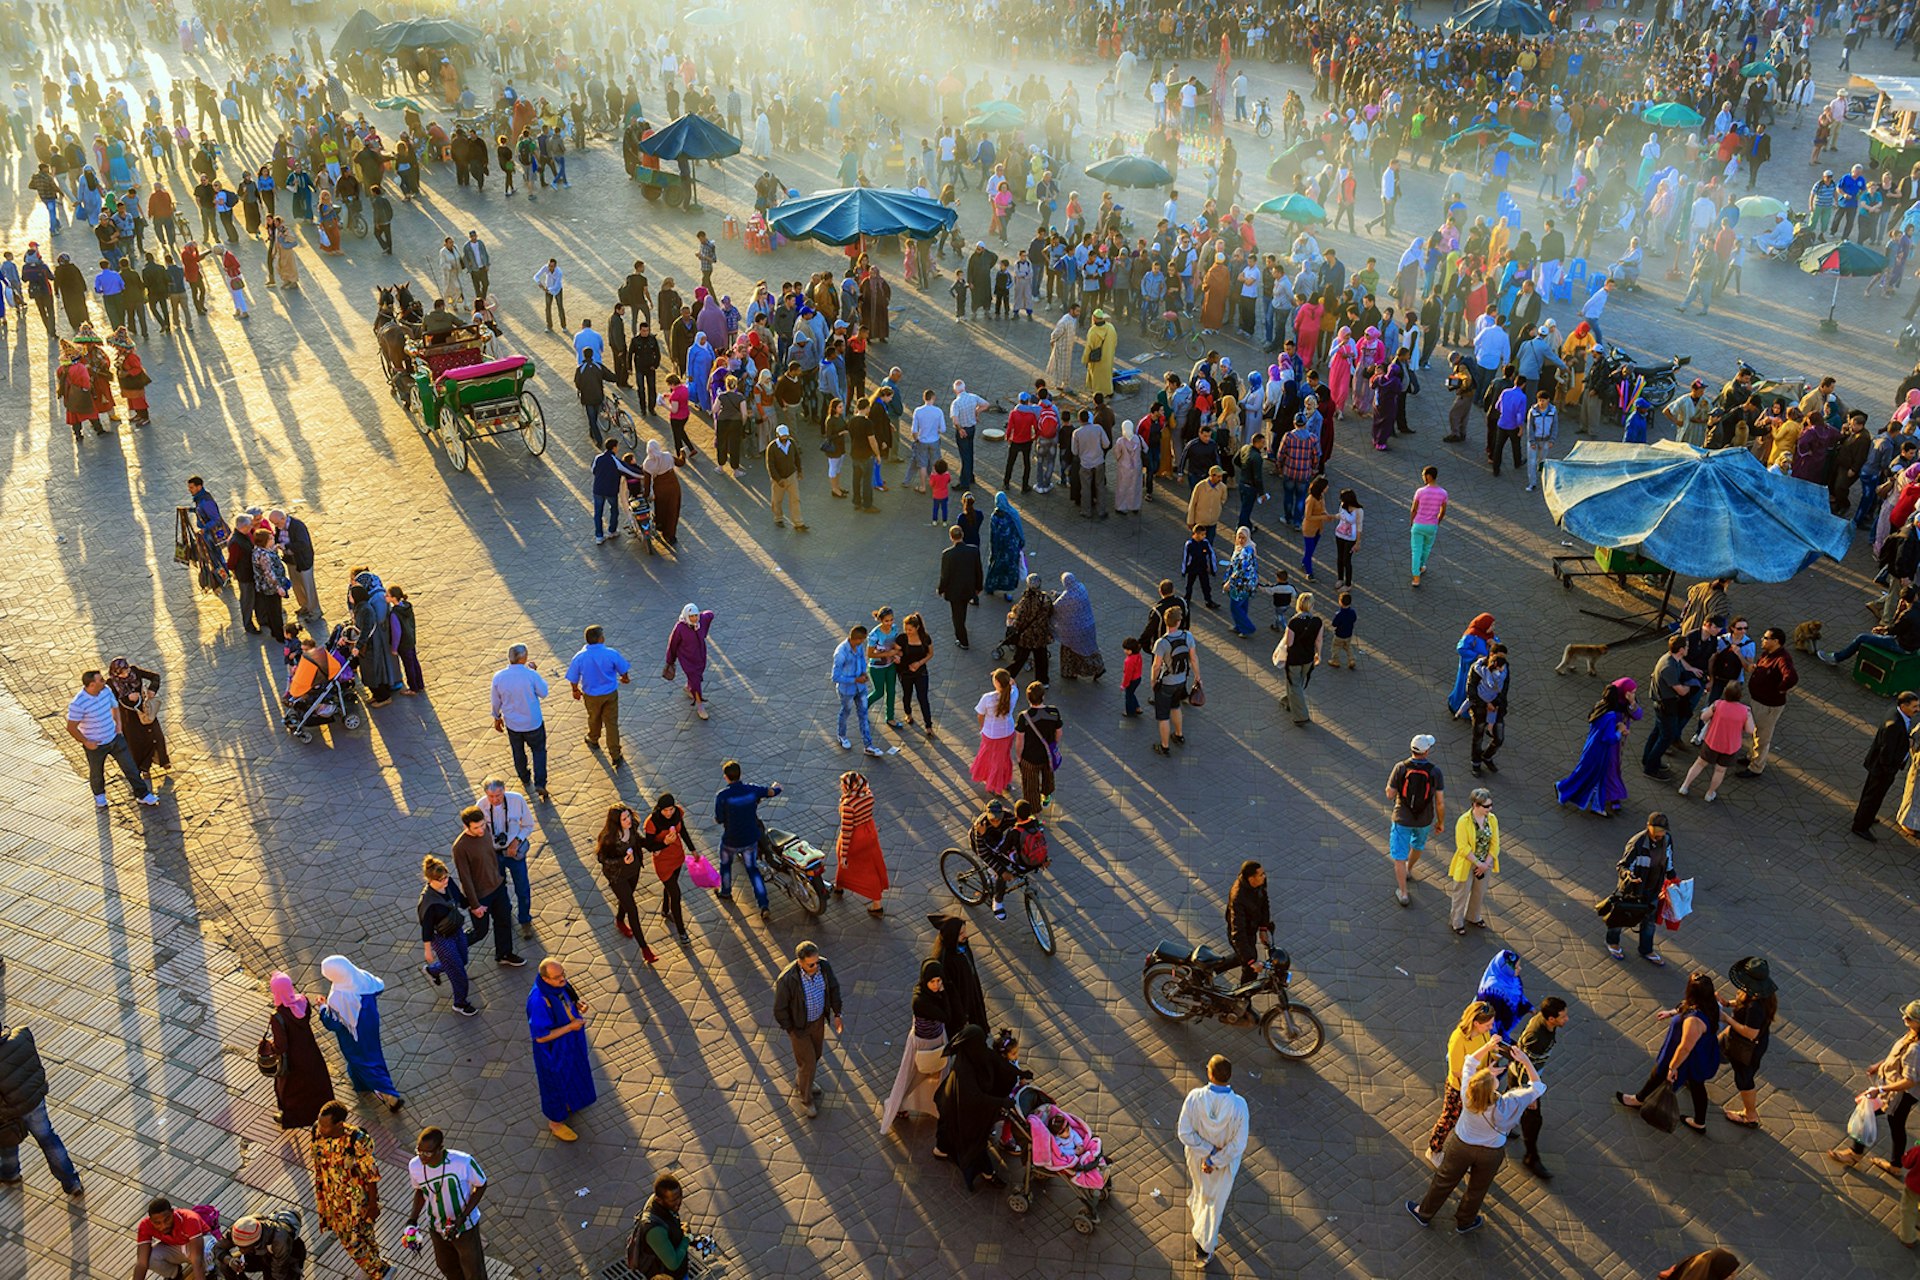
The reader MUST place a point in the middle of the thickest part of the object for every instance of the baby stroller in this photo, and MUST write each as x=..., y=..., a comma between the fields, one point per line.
x=1026, y=1153
x=326, y=696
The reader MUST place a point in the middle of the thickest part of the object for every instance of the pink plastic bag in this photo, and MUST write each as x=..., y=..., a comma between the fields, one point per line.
x=701, y=872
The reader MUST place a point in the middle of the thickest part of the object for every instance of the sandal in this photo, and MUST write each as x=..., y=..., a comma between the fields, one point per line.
x=1693, y=1124
x=1739, y=1119
x=1461, y=932
x=875, y=909
x=1621, y=1098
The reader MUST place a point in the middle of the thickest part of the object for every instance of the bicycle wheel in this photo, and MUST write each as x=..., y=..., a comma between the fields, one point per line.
x=1264, y=129
x=533, y=424
x=1293, y=1032
x=965, y=877
x=624, y=428
x=1040, y=922
x=807, y=892
x=1196, y=344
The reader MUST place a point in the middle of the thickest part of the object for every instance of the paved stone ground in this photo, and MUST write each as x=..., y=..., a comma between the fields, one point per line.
x=283, y=852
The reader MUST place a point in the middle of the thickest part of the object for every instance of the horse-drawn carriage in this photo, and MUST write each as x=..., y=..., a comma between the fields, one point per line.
x=451, y=384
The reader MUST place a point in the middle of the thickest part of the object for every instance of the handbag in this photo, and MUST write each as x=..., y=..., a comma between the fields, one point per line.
x=1618, y=913
x=1198, y=697
x=702, y=872
x=1661, y=1108
x=267, y=1059
x=930, y=1062
x=1736, y=1048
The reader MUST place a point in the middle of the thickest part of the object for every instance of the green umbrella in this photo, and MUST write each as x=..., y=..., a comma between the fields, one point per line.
x=1520, y=141
x=1673, y=115
x=1840, y=259
x=996, y=104
x=1760, y=208
x=1760, y=68
x=1292, y=208
x=1001, y=116
x=709, y=17
x=399, y=104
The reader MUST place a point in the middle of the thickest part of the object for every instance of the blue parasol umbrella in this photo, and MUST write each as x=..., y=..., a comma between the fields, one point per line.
x=1673, y=115
x=1704, y=514
x=1292, y=208
x=691, y=138
x=1130, y=171
x=1514, y=16
x=844, y=215
x=998, y=115
x=1840, y=259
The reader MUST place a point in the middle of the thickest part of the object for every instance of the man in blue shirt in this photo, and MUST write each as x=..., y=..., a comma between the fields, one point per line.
x=608, y=472
x=596, y=674
x=850, y=681
x=736, y=810
x=1847, y=201
x=1511, y=410
x=518, y=688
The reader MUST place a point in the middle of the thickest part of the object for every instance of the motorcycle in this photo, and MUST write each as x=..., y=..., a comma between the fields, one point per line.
x=1615, y=375
x=1181, y=984
x=1262, y=119
x=796, y=867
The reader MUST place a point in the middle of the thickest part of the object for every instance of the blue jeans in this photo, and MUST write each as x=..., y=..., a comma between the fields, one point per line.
x=965, y=447
x=1293, y=497
x=40, y=1125
x=1869, y=500
x=856, y=702
x=750, y=854
x=1133, y=699
x=1665, y=736
x=123, y=756
x=1646, y=935
x=1871, y=640
x=533, y=741
x=515, y=871
x=940, y=509
x=53, y=215
x=608, y=503
x=450, y=960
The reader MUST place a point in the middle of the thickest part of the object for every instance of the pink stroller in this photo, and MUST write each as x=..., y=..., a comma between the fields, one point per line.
x=1027, y=1151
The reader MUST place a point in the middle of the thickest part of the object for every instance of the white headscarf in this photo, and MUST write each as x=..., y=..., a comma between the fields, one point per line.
x=690, y=614
x=1128, y=430
x=658, y=461
x=350, y=982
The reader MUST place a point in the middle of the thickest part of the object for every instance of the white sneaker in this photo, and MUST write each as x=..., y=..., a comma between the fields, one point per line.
x=149, y=799
x=99, y=802
x=1683, y=788
x=846, y=745
x=875, y=751
x=599, y=539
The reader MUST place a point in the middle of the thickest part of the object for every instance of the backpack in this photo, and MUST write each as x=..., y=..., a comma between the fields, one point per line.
x=1049, y=421
x=1178, y=646
x=1416, y=787
x=1033, y=847
x=638, y=1254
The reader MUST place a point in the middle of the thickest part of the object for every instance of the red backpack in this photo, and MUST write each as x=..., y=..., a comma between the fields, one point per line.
x=1033, y=846
x=1049, y=420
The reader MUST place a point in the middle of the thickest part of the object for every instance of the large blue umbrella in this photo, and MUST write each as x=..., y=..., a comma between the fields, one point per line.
x=1130, y=171
x=1515, y=16
x=844, y=215
x=691, y=138
x=1704, y=514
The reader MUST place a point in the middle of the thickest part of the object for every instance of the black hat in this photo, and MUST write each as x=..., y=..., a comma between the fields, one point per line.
x=1750, y=975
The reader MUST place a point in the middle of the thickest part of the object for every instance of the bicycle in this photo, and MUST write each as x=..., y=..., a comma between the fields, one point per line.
x=972, y=882
x=617, y=423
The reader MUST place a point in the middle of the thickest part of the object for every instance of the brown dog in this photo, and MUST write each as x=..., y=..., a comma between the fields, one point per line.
x=1806, y=636
x=1588, y=653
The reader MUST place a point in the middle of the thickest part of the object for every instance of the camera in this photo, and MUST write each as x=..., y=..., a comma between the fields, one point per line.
x=500, y=840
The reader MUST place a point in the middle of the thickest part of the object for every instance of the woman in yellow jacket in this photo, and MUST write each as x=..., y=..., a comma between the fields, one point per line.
x=1474, y=1029
x=1476, y=860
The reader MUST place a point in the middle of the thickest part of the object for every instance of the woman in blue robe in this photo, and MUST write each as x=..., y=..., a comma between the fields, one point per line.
x=556, y=1021
x=1500, y=987
x=1007, y=538
x=352, y=1013
x=1475, y=644
x=119, y=172
x=1595, y=783
x=699, y=369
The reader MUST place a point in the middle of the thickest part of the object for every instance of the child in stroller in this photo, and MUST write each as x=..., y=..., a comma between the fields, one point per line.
x=1038, y=1139
x=322, y=688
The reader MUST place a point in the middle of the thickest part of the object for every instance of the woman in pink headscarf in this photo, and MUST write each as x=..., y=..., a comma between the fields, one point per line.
x=1306, y=330
x=1372, y=357
x=1340, y=367
x=1905, y=412
x=301, y=1082
x=1596, y=784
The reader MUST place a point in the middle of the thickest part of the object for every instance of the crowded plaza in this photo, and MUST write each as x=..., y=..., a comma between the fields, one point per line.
x=1254, y=417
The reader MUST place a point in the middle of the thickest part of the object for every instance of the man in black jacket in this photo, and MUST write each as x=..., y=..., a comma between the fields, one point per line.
x=1643, y=870
x=805, y=996
x=590, y=380
x=1889, y=753
x=299, y=557
x=643, y=355
x=961, y=579
x=1487, y=681
x=23, y=1111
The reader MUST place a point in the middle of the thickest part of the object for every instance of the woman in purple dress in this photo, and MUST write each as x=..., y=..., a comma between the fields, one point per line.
x=1595, y=783
x=687, y=646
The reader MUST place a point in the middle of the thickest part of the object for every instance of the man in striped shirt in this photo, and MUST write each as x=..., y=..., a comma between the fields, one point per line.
x=448, y=1185
x=93, y=721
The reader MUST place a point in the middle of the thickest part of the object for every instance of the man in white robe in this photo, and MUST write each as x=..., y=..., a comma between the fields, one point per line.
x=1213, y=1129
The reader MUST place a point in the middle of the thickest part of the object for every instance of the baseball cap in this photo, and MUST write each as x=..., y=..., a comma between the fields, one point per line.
x=1422, y=742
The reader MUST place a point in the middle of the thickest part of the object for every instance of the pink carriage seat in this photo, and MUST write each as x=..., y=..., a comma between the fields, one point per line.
x=485, y=369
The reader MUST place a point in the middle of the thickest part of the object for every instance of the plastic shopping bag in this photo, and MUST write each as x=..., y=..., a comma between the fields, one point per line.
x=703, y=873
x=1864, y=1125
x=1680, y=898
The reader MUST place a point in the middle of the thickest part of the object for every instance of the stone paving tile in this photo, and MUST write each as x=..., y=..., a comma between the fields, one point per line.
x=272, y=854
